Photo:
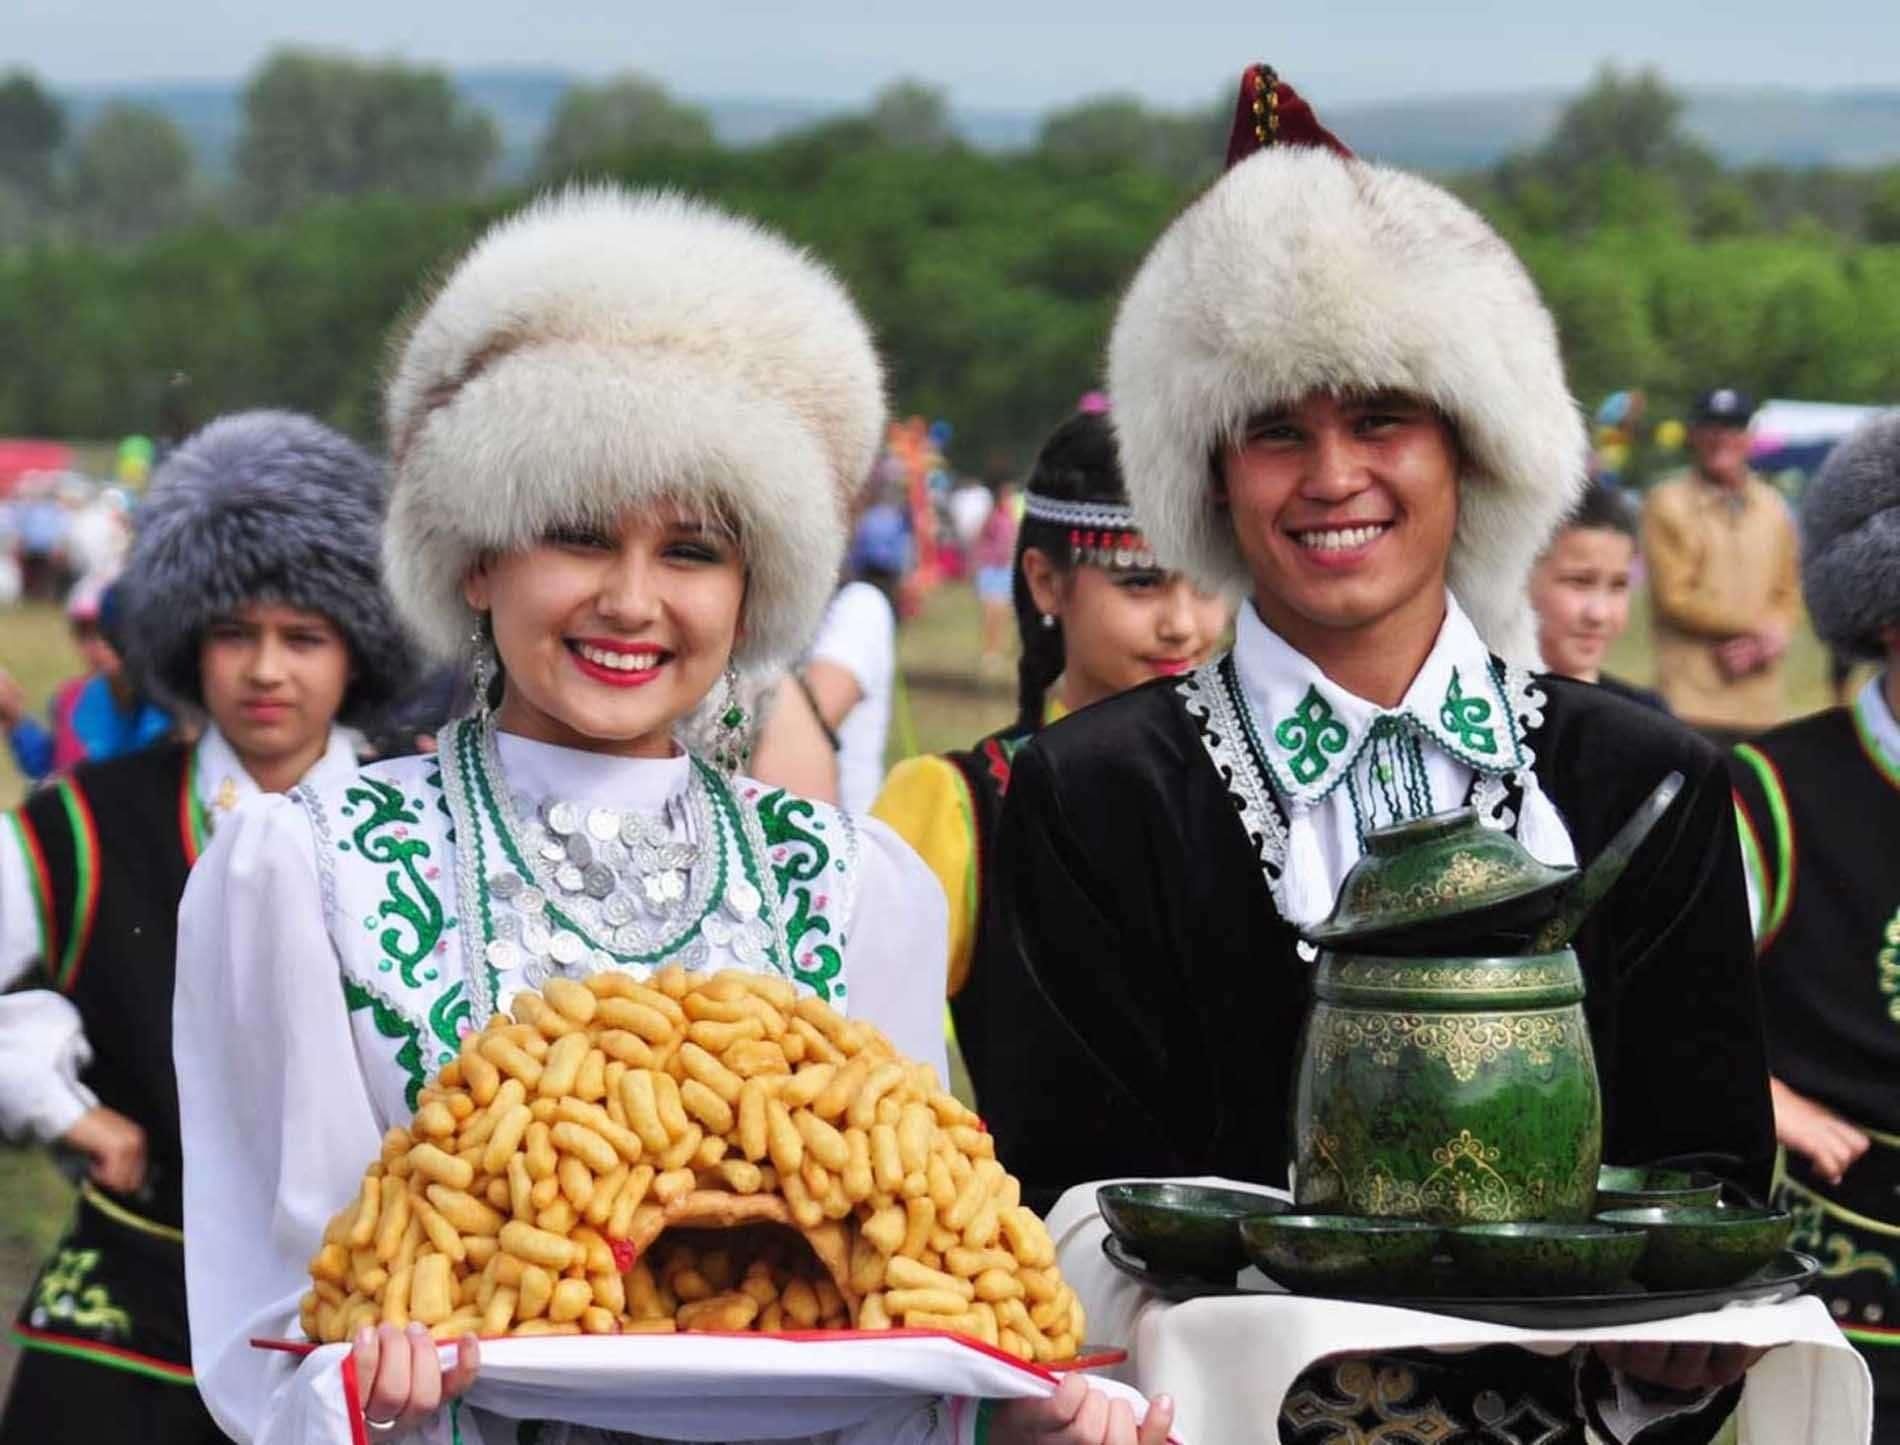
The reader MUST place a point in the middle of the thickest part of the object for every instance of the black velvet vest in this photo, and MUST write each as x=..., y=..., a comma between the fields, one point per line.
x=110, y=848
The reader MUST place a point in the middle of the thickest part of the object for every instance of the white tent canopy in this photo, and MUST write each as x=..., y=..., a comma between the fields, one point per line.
x=1805, y=423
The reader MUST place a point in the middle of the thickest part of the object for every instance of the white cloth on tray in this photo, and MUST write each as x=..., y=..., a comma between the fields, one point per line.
x=1229, y=1362
x=849, y=1391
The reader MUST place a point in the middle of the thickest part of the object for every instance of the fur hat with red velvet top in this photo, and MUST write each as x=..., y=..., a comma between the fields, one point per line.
x=608, y=348
x=1305, y=269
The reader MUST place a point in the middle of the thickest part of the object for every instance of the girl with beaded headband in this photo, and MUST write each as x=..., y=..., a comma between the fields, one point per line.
x=623, y=434
x=1095, y=616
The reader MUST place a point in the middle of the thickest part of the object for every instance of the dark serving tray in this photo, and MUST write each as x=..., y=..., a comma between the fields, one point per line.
x=1786, y=1276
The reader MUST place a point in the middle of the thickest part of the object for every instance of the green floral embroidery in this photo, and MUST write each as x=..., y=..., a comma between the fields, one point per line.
x=384, y=837
x=1313, y=735
x=799, y=858
x=1839, y=1253
x=1469, y=718
x=65, y=1298
x=1890, y=968
x=392, y=1025
x=451, y=1014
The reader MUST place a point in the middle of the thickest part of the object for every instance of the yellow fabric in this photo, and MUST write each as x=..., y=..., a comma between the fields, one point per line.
x=1719, y=567
x=926, y=802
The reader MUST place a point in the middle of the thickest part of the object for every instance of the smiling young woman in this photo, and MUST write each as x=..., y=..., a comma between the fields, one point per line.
x=1095, y=616
x=251, y=597
x=611, y=635
x=625, y=435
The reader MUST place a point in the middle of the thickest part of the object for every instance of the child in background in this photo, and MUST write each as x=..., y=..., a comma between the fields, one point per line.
x=98, y=715
x=992, y=558
x=1580, y=589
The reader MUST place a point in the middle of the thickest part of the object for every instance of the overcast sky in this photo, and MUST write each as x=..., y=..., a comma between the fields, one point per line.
x=989, y=53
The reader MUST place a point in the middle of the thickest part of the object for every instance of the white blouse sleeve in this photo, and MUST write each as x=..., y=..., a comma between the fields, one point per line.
x=276, y=1121
x=20, y=941
x=42, y=1039
x=42, y=1049
x=896, y=953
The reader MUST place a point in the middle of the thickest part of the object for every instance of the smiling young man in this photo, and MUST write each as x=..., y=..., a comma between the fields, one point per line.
x=1337, y=389
x=252, y=597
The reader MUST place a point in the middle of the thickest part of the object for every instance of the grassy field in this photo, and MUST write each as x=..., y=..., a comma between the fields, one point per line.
x=947, y=705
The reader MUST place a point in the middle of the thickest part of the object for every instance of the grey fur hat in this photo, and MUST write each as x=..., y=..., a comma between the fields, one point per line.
x=264, y=505
x=1850, y=539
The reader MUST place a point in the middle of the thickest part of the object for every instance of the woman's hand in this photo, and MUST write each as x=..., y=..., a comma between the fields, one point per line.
x=114, y=1148
x=1078, y=1415
x=1822, y=1137
x=401, y=1378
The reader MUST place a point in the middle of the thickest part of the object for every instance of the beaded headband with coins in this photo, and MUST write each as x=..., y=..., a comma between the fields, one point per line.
x=1101, y=534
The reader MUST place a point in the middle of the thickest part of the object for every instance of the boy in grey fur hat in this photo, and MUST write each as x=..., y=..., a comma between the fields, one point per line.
x=1825, y=888
x=252, y=598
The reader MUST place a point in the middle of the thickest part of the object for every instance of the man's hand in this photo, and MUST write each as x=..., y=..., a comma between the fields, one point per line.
x=12, y=700
x=1819, y=1135
x=1681, y=1367
x=114, y=1147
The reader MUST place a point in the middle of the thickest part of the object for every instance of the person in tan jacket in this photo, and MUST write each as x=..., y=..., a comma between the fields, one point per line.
x=1724, y=566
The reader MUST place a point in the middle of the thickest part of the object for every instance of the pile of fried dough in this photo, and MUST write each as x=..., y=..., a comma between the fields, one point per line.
x=804, y=1175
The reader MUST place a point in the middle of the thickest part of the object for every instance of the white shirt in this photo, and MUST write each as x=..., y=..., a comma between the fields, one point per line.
x=859, y=634
x=1877, y=718
x=285, y=1091
x=969, y=510
x=1340, y=765
x=43, y=1045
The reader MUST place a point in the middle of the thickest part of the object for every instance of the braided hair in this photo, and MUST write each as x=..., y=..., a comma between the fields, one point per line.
x=1076, y=464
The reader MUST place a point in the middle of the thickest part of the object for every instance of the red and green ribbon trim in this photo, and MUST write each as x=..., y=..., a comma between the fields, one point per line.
x=192, y=826
x=1775, y=791
x=113, y=1358
x=85, y=834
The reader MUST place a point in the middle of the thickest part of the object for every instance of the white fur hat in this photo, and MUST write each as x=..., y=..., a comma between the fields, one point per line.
x=1303, y=270
x=604, y=348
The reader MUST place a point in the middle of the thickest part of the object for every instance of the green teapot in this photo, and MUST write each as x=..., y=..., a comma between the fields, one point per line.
x=1445, y=1071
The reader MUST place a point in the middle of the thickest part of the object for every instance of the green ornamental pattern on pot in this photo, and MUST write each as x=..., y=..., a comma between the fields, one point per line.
x=1451, y=1090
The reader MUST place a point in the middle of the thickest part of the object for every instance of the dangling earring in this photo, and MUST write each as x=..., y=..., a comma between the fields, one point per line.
x=481, y=667
x=1048, y=621
x=732, y=748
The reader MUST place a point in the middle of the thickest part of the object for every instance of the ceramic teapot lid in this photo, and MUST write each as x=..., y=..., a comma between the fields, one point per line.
x=1438, y=883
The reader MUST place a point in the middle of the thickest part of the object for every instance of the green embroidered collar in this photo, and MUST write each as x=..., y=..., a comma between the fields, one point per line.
x=1314, y=731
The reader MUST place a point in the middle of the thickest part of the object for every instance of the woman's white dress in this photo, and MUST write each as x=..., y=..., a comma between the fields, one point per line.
x=335, y=944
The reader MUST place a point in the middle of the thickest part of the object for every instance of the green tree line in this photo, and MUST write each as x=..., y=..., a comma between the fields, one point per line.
x=991, y=279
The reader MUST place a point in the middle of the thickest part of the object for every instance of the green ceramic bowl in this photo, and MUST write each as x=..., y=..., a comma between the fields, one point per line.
x=1699, y=1247
x=1543, y=1258
x=1341, y=1253
x=1631, y=1186
x=1192, y=1228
